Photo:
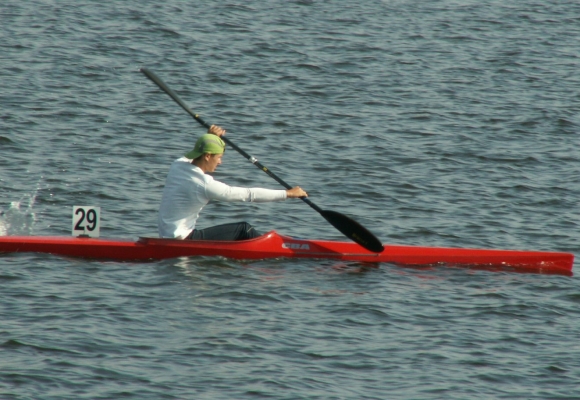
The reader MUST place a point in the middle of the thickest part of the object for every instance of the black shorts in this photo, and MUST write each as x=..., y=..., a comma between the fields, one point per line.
x=233, y=231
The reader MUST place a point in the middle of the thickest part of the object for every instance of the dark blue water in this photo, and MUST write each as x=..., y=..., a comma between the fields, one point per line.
x=441, y=123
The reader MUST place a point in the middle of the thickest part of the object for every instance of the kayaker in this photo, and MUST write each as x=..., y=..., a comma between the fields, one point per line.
x=189, y=187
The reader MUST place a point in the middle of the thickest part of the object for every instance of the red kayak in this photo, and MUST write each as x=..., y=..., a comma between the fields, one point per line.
x=273, y=245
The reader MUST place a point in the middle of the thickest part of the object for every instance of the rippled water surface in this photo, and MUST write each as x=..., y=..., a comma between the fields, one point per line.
x=440, y=123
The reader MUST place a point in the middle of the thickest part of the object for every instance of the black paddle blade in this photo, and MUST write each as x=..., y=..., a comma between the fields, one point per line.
x=353, y=230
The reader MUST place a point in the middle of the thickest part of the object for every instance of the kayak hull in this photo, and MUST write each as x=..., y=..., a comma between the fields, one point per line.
x=274, y=245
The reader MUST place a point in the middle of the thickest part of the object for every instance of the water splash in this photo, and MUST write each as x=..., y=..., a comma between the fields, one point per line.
x=19, y=219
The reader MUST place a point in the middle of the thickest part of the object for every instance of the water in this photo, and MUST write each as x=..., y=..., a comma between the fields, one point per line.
x=443, y=123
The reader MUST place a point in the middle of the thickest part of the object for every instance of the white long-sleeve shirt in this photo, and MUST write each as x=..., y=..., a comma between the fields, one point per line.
x=188, y=189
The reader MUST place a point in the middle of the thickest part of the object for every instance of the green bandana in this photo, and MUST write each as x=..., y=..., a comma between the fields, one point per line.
x=208, y=143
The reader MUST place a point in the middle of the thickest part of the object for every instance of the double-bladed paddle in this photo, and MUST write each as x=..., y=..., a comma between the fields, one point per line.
x=350, y=228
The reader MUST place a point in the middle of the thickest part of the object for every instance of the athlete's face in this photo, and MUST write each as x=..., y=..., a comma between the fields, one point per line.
x=213, y=160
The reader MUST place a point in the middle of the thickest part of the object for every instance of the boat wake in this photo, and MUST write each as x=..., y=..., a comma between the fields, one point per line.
x=19, y=218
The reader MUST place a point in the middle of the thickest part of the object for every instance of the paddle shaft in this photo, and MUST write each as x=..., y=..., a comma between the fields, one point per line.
x=195, y=116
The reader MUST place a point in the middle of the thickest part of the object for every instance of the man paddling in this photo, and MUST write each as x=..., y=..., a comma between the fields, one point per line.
x=189, y=187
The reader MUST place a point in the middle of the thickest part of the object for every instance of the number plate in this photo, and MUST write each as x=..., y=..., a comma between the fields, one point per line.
x=86, y=221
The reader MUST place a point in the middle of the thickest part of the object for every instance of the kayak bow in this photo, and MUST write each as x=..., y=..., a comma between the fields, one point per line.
x=273, y=245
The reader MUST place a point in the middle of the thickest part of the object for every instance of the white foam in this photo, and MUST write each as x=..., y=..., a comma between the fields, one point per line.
x=17, y=220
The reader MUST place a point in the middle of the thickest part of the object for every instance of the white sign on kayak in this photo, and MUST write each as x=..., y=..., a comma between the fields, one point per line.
x=86, y=221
